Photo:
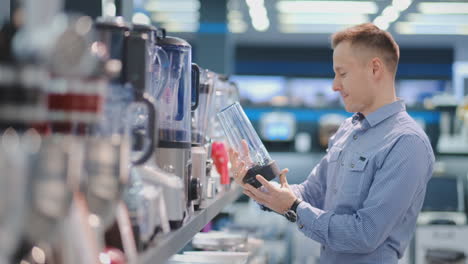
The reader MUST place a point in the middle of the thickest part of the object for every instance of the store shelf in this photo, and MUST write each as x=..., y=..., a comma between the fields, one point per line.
x=171, y=244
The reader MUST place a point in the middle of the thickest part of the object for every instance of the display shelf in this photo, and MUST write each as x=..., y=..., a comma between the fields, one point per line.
x=169, y=245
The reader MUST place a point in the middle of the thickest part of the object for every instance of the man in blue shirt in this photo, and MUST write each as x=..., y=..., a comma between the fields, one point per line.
x=362, y=200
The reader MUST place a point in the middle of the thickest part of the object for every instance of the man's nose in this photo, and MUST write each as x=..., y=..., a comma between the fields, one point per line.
x=336, y=86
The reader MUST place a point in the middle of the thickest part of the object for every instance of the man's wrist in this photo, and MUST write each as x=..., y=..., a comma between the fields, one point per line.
x=295, y=205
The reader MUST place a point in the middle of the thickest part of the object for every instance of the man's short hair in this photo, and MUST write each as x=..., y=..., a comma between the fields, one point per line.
x=370, y=36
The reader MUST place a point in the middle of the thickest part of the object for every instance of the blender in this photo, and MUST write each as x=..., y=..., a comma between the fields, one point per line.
x=174, y=108
x=220, y=177
x=140, y=54
x=242, y=138
x=116, y=124
x=201, y=143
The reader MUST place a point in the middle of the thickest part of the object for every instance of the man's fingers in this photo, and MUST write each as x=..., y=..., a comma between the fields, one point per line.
x=282, y=177
x=257, y=193
x=264, y=182
x=245, y=150
x=240, y=174
x=235, y=158
x=243, y=170
x=231, y=154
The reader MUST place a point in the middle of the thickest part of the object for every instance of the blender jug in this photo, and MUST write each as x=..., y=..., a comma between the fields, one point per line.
x=175, y=99
x=199, y=132
x=237, y=128
x=200, y=116
x=174, y=112
x=142, y=112
x=157, y=63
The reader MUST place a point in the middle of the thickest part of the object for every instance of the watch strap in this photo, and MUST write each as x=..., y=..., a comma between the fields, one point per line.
x=295, y=204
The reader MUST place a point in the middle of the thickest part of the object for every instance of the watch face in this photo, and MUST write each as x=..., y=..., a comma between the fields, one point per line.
x=291, y=216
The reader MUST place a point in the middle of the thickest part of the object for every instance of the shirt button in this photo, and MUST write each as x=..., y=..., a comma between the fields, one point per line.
x=301, y=226
x=355, y=137
x=352, y=165
x=342, y=163
x=335, y=190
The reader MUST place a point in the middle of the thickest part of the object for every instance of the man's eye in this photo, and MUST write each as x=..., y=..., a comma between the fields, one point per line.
x=343, y=74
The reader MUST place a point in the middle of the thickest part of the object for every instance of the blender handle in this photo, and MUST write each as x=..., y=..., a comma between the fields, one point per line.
x=147, y=100
x=163, y=73
x=161, y=33
x=195, y=86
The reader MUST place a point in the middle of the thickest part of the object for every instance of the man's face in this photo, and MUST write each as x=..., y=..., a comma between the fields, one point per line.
x=352, y=78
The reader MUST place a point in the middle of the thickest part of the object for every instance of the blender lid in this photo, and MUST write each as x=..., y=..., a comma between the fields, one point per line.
x=173, y=41
x=144, y=28
x=117, y=23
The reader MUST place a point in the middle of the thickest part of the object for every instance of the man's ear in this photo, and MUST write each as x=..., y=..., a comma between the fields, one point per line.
x=377, y=67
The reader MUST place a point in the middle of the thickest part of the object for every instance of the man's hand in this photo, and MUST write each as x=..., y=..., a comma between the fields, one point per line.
x=279, y=199
x=240, y=166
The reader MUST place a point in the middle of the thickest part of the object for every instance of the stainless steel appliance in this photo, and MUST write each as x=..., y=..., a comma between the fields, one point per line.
x=174, y=108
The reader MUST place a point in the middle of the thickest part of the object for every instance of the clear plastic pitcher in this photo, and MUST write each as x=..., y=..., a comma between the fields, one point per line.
x=237, y=127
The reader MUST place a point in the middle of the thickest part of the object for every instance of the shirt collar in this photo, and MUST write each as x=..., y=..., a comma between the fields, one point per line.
x=382, y=113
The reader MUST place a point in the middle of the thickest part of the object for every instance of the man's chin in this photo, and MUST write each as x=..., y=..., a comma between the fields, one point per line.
x=349, y=109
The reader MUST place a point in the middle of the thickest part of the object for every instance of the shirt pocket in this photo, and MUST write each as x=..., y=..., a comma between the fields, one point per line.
x=354, y=173
x=334, y=154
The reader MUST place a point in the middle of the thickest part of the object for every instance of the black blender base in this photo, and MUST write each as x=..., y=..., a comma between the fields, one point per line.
x=176, y=224
x=269, y=172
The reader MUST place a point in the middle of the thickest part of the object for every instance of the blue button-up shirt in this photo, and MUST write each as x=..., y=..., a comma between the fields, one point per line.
x=362, y=200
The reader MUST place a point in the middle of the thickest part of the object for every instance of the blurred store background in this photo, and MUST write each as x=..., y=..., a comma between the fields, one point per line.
x=277, y=53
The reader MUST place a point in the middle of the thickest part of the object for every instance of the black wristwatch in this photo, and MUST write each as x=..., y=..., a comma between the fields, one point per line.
x=291, y=214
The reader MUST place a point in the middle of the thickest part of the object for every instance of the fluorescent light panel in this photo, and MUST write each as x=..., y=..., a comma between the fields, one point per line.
x=180, y=27
x=183, y=17
x=347, y=7
x=237, y=26
x=443, y=7
x=324, y=29
x=442, y=19
x=258, y=15
x=173, y=5
x=319, y=18
x=430, y=29
x=401, y=5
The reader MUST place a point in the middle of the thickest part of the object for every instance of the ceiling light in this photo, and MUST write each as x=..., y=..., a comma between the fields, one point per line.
x=359, y=7
x=173, y=6
x=110, y=9
x=430, y=29
x=261, y=24
x=235, y=14
x=180, y=27
x=443, y=19
x=401, y=5
x=323, y=19
x=141, y=18
x=321, y=29
x=258, y=15
x=443, y=8
x=391, y=13
x=237, y=26
x=162, y=17
x=382, y=22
